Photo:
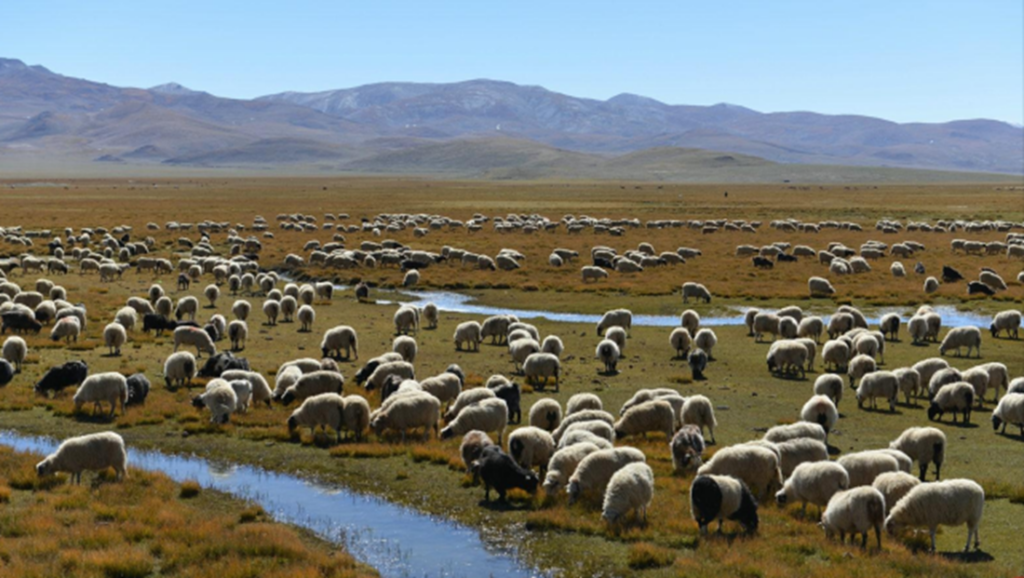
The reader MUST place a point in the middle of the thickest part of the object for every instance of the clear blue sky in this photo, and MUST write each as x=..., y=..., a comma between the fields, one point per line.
x=922, y=60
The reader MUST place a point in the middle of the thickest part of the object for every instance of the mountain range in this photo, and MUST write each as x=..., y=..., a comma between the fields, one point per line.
x=477, y=128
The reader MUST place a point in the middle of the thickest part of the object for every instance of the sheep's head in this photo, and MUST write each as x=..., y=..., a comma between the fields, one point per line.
x=45, y=467
x=197, y=401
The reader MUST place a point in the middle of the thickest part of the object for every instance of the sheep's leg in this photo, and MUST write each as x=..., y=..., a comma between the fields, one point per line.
x=932, y=532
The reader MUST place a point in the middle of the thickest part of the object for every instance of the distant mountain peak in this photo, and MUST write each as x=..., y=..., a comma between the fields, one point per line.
x=630, y=99
x=8, y=65
x=174, y=88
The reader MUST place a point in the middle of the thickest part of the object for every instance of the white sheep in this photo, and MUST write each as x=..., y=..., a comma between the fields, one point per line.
x=757, y=466
x=446, y=386
x=880, y=384
x=608, y=353
x=792, y=453
x=195, y=337
x=522, y=347
x=563, y=464
x=337, y=338
x=580, y=434
x=238, y=333
x=592, y=273
x=402, y=369
x=855, y=511
x=15, y=350
x=766, y=322
x=356, y=416
x=630, y=488
x=801, y=429
x=243, y=393
x=406, y=412
x=787, y=356
x=271, y=309
x=220, y=398
x=706, y=340
x=114, y=336
x=650, y=416
x=836, y=353
x=179, y=369
x=595, y=471
x=811, y=327
x=93, y=452
x=542, y=365
x=958, y=337
x=127, y=317
x=820, y=287
x=894, y=485
x=819, y=409
x=699, y=411
x=680, y=341
x=306, y=316
x=472, y=446
x=109, y=387
x=66, y=328
x=552, y=344
x=814, y=483
x=954, y=397
x=926, y=368
x=697, y=291
x=909, y=382
x=187, y=306
x=241, y=309
x=323, y=410
x=261, y=392
x=830, y=385
x=1009, y=411
x=949, y=503
x=998, y=377
x=616, y=317
x=690, y=320
x=406, y=347
x=864, y=467
x=583, y=401
x=943, y=377
x=860, y=366
x=313, y=383
x=487, y=415
x=531, y=446
x=546, y=414
x=469, y=333
x=1008, y=321
x=467, y=398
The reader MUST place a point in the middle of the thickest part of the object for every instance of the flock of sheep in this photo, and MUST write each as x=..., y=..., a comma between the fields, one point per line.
x=577, y=450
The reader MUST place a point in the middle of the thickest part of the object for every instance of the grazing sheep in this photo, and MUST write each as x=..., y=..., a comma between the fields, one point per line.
x=927, y=368
x=697, y=291
x=241, y=310
x=541, y=365
x=719, y=497
x=195, y=337
x=815, y=483
x=811, y=328
x=766, y=322
x=499, y=471
x=690, y=320
x=864, y=467
x=546, y=414
x=406, y=347
x=792, y=453
x=820, y=410
x=212, y=293
x=313, y=383
x=487, y=415
x=338, y=338
x=839, y=324
x=680, y=341
x=94, y=452
x=552, y=344
x=909, y=382
x=1008, y=321
x=409, y=411
x=220, y=398
x=608, y=353
x=630, y=488
x=949, y=503
x=617, y=317
x=114, y=336
x=787, y=356
x=508, y=391
x=583, y=401
x=943, y=377
x=855, y=511
x=187, y=306
x=889, y=325
x=179, y=369
x=109, y=387
x=595, y=471
x=592, y=273
x=830, y=385
x=699, y=411
x=238, y=333
x=860, y=366
x=127, y=317
x=931, y=285
x=468, y=333
x=467, y=398
x=563, y=464
x=998, y=377
x=967, y=336
x=757, y=466
x=837, y=354
x=687, y=447
x=531, y=446
x=446, y=386
x=617, y=335
x=705, y=339
x=15, y=350
x=6, y=372
x=801, y=429
x=402, y=369
x=1009, y=411
x=650, y=416
x=306, y=317
x=880, y=384
x=323, y=410
x=66, y=328
x=958, y=396
x=820, y=287
x=894, y=485
x=259, y=387
x=472, y=447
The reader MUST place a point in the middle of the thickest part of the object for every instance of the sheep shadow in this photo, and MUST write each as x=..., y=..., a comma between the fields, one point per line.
x=880, y=410
x=972, y=557
x=98, y=418
x=497, y=505
x=611, y=373
x=1010, y=436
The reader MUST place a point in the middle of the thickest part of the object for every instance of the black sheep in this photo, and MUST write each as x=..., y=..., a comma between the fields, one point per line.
x=157, y=323
x=605, y=263
x=138, y=389
x=784, y=258
x=950, y=275
x=499, y=471
x=706, y=499
x=698, y=361
x=362, y=291
x=366, y=371
x=979, y=288
x=6, y=372
x=183, y=282
x=390, y=386
x=19, y=322
x=763, y=263
x=62, y=376
x=511, y=395
x=217, y=364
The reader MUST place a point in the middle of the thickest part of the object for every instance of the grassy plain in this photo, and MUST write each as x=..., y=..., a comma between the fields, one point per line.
x=428, y=476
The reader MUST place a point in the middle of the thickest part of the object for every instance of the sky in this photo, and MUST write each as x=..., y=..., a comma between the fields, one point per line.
x=903, y=60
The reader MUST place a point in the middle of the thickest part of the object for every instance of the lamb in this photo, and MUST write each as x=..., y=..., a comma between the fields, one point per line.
x=699, y=411
x=67, y=328
x=468, y=333
x=757, y=466
x=109, y=387
x=837, y=354
x=583, y=401
x=830, y=385
x=630, y=488
x=687, y=447
x=792, y=453
x=855, y=511
x=967, y=336
x=706, y=340
x=220, y=398
x=864, y=467
x=800, y=429
x=531, y=446
x=261, y=392
x=787, y=356
x=592, y=273
x=860, y=366
x=563, y=465
x=546, y=414
x=15, y=350
x=948, y=503
x=616, y=317
x=313, y=383
x=402, y=369
x=697, y=291
x=698, y=362
x=646, y=417
x=488, y=415
x=820, y=287
x=498, y=470
x=409, y=411
x=895, y=485
x=820, y=410
x=195, y=337
x=1008, y=321
x=406, y=347
x=114, y=336
x=541, y=365
x=93, y=452
x=813, y=482
x=323, y=410
x=595, y=470
x=1009, y=411
x=716, y=497
x=880, y=384
x=954, y=397
x=472, y=446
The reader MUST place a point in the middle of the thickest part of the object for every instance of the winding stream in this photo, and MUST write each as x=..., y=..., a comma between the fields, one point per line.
x=399, y=542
